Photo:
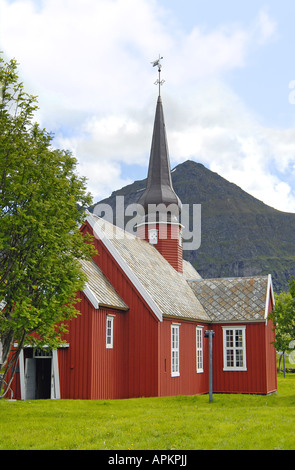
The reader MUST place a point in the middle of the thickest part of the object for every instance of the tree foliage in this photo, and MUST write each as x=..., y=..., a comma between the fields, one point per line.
x=40, y=241
x=283, y=316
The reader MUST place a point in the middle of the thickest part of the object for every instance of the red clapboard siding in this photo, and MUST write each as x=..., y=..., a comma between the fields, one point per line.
x=140, y=327
x=108, y=366
x=74, y=361
x=189, y=382
x=254, y=379
x=88, y=370
x=168, y=245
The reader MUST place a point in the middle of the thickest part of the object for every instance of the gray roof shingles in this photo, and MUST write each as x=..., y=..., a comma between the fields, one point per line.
x=232, y=299
x=168, y=288
x=186, y=295
x=101, y=287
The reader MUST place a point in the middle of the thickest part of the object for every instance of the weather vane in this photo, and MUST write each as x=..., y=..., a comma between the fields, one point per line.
x=159, y=81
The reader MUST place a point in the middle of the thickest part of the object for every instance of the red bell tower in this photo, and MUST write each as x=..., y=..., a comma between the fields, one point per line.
x=162, y=207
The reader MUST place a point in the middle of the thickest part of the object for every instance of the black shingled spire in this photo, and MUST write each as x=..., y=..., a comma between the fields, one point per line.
x=159, y=188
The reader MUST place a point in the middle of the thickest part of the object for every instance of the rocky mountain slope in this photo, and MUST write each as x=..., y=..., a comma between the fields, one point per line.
x=240, y=235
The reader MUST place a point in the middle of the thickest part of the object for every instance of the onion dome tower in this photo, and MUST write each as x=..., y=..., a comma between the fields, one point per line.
x=162, y=207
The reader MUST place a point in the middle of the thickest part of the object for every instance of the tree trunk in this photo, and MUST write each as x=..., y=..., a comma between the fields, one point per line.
x=9, y=363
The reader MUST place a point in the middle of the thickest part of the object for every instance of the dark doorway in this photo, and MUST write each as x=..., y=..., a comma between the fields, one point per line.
x=43, y=378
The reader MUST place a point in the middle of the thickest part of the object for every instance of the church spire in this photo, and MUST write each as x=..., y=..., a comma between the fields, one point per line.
x=159, y=188
x=161, y=226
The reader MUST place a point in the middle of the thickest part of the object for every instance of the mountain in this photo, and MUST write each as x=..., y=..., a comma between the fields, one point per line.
x=240, y=235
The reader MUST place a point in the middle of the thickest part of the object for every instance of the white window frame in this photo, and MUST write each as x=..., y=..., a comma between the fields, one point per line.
x=110, y=331
x=199, y=349
x=234, y=348
x=153, y=236
x=175, y=371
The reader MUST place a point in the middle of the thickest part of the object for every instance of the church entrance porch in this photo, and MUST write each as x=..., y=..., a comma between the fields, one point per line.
x=39, y=374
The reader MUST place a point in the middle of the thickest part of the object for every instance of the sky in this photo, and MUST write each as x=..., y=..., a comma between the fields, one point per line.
x=228, y=96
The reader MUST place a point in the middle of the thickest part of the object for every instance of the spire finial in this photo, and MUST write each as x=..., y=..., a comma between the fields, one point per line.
x=155, y=63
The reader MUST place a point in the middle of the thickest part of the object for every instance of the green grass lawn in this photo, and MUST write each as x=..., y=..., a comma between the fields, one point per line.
x=180, y=423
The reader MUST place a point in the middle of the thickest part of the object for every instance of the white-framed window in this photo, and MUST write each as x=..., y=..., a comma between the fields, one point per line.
x=234, y=348
x=199, y=348
x=175, y=349
x=153, y=236
x=109, y=331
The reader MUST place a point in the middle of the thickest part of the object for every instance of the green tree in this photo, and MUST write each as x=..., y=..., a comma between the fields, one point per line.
x=40, y=242
x=283, y=316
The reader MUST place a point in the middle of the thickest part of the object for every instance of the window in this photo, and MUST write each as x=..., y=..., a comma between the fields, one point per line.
x=234, y=348
x=109, y=331
x=153, y=236
x=199, y=348
x=174, y=350
x=41, y=353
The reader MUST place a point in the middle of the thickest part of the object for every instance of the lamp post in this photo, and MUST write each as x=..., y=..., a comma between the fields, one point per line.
x=210, y=334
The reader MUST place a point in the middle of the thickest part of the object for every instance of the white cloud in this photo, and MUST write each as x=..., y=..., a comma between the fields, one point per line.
x=88, y=60
x=84, y=53
x=230, y=140
x=265, y=26
x=103, y=174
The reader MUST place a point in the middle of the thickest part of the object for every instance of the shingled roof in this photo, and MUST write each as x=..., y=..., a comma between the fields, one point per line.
x=170, y=293
x=234, y=299
x=98, y=289
x=159, y=188
x=166, y=290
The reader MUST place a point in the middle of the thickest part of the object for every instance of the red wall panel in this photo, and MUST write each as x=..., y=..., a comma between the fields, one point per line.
x=140, y=330
x=109, y=367
x=89, y=370
x=168, y=244
x=189, y=382
x=258, y=353
x=75, y=360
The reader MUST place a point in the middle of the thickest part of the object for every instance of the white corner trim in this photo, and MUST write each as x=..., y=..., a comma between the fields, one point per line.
x=268, y=293
x=91, y=296
x=55, y=386
x=22, y=375
x=122, y=263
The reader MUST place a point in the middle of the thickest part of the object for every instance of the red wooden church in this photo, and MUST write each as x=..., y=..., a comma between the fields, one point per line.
x=145, y=311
